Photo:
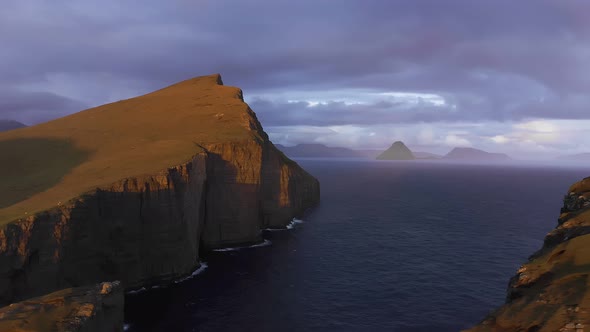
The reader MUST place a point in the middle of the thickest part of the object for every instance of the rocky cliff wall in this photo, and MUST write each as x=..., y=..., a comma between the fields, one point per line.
x=551, y=292
x=149, y=229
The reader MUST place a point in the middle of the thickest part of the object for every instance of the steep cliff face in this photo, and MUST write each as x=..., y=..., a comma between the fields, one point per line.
x=96, y=308
x=150, y=227
x=551, y=292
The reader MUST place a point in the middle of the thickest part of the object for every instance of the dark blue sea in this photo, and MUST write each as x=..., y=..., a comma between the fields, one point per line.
x=393, y=246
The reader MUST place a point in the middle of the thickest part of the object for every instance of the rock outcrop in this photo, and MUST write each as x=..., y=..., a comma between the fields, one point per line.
x=162, y=177
x=551, y=292
x=397, y=151
x=95, y=308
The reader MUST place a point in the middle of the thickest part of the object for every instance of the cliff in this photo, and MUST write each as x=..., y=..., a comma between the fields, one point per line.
x=551, y=292
x=135, y=190
x=397, y=151
x=93, y=308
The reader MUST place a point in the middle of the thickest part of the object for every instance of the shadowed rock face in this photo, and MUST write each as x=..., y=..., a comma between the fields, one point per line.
x=551, y=292
x=94, y=308
x=149, y=225
x=397, y=151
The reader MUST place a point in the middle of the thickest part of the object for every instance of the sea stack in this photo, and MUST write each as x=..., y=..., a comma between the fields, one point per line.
x=133, y=191
x=397, y=151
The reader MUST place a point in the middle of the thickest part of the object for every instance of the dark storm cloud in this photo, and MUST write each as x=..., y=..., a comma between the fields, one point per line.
x=491, y=60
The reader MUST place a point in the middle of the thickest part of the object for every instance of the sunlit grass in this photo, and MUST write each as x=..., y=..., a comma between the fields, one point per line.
x=56, y=161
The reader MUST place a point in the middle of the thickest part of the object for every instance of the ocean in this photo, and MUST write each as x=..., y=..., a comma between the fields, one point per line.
x=393, y=246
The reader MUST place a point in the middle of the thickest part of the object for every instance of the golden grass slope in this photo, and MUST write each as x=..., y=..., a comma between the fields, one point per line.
x=48, y=164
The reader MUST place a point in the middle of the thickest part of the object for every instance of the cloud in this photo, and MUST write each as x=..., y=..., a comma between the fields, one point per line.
x=33, y=106
x=312, y=64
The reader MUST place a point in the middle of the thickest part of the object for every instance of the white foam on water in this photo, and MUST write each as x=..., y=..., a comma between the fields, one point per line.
x=294, y=222
x=263, y=244
x=137, y=291
x=289, y=226
x=201, y=268
x=198, y=271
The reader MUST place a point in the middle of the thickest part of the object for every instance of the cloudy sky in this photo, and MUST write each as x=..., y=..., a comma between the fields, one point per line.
x=501, y=75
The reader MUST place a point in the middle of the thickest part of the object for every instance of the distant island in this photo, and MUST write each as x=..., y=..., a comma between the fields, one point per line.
x=575, y=157
x=6, y=125
x=314, y=150
x=397, y=151
x=475, y=155
x=317, y=151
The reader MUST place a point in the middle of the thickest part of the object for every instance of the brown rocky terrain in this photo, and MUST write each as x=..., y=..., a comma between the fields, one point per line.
x=134, y=190
x=551, y=292
x=95, y=308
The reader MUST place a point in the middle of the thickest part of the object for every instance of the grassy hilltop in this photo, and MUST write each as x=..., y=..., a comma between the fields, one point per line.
x=45, y=165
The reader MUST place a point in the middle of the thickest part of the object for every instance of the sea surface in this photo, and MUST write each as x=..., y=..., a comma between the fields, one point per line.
x=393, y=246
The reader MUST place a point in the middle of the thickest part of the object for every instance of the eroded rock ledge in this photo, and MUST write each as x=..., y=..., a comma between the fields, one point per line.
x=94, y=308
x=551, y=292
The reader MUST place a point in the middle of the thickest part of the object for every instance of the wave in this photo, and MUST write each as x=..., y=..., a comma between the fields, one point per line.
x=294, y=222
x=262, y=244
x=137, y=291
x=196, y=272
x=202, y=267
x=289, y=226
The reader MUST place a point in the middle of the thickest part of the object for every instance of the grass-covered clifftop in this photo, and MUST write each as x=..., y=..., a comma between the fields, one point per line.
x=46, y=165
x=135, y=190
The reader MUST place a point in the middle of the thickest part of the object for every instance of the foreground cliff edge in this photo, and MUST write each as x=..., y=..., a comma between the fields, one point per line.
x=134, y=190
x=551, y=292
x=94, y=308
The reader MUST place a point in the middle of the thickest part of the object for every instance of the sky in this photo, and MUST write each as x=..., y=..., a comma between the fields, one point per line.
x=500, y=75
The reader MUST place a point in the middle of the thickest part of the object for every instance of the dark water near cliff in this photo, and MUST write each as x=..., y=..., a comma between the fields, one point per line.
x=393, y=247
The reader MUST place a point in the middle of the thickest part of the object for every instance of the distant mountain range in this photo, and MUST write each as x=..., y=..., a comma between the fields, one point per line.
x=6, y=125
x=322, y=151
x=397, y=151
x=475, y=155
x=575, y=157
x=426, y=155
